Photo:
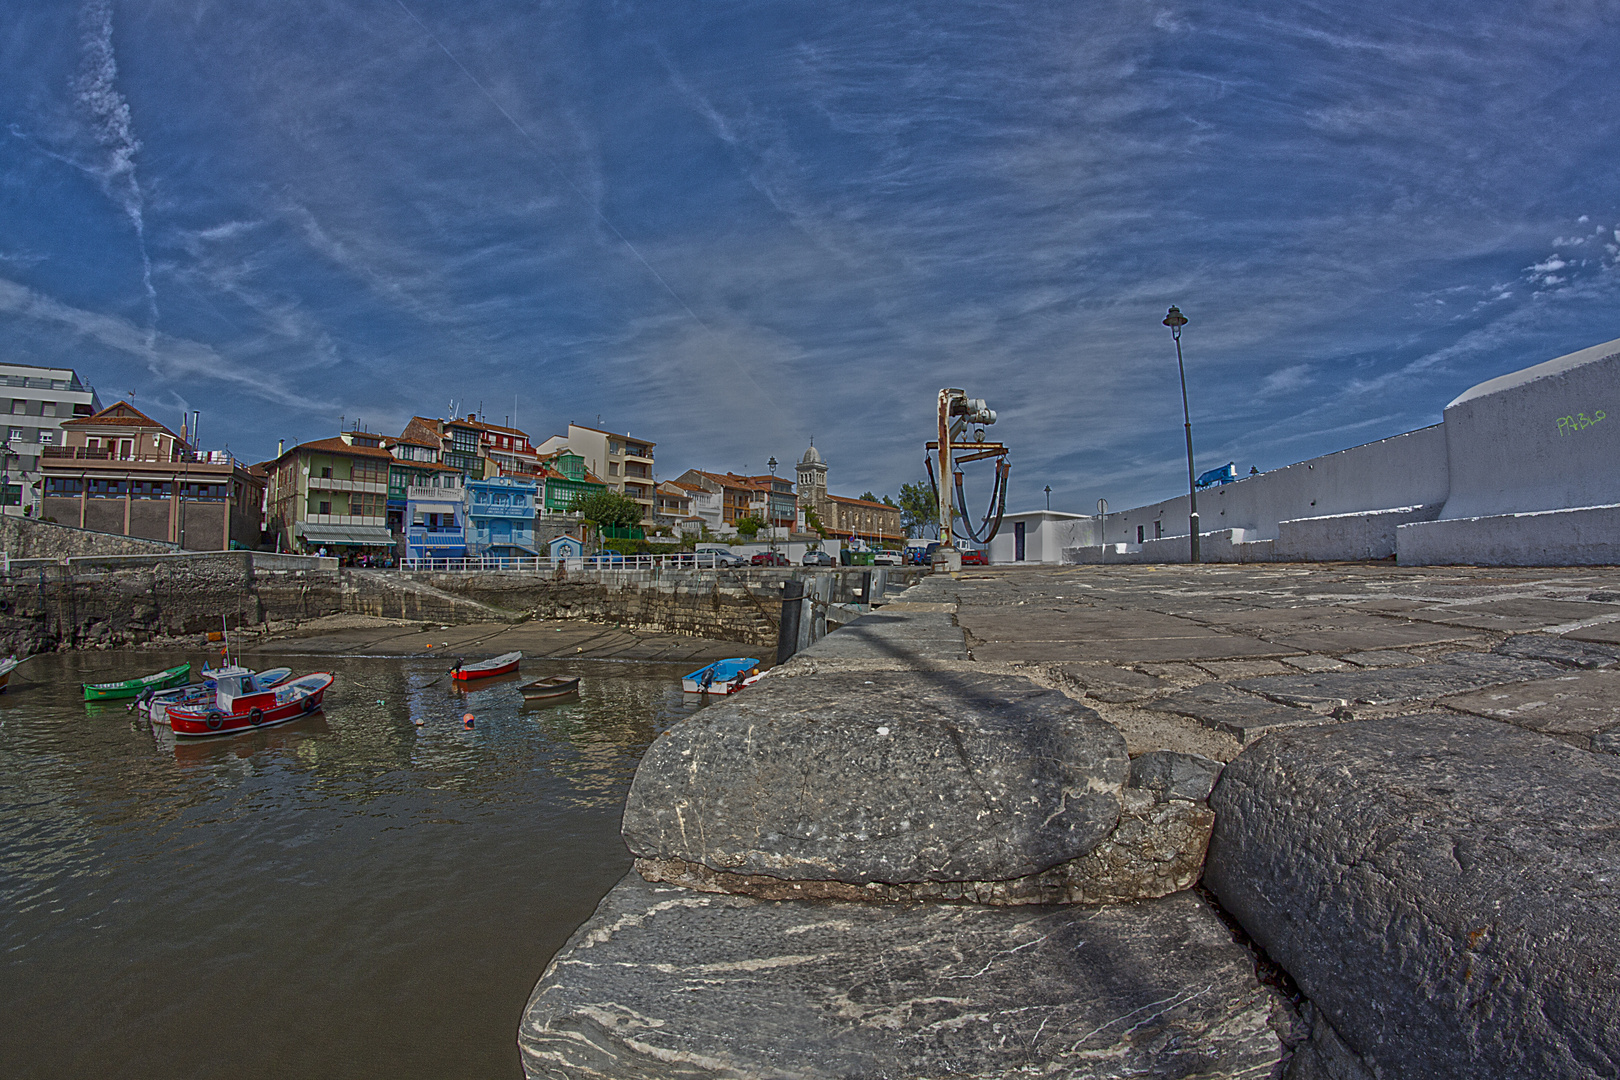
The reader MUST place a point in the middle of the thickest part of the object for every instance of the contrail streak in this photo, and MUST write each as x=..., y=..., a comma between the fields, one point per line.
x=557, y=168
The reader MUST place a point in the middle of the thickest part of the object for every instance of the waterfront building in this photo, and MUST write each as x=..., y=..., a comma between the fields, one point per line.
x=331, y=494
x=475, y=447
x=855, y=519
x=41, y=399
x=416, y=464
x=120, y=471
x=623, y=462
x=437, y=517
x=500, y=517
x=707, y=508
x=736, y=496
x=774, y=501
x=674, y=505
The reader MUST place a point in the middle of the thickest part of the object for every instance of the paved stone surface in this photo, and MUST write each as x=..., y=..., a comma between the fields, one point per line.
x=669, y=983
x=908, y=777
x=1245, y=716
x=1445, y=893
x=1574, y=706
x=1456, y=673
x=1557, y=650
x=906, y=635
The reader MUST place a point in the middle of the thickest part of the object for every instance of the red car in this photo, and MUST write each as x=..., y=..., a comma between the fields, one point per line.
x=770, y=558
x=975, y=558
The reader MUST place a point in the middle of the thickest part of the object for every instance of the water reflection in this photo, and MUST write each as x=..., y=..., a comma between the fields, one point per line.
x=379, y=882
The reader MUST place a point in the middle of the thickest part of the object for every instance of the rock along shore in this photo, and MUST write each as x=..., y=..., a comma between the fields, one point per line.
x=959, y=837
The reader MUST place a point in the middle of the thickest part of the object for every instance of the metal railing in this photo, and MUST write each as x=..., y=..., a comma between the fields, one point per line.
x=686, y=560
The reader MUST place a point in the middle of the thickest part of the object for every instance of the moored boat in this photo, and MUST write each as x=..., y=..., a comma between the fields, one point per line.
x=504, y=664
x=178, y=675
x=555, y=687
x=237, y=705
x=7, y=666
x=156, y=704
x=722, y=676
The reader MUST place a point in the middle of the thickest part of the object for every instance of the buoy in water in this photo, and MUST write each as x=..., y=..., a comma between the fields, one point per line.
x=418, y=721
x=467, y=721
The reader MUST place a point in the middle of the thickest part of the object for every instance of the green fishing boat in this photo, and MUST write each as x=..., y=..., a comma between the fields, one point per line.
x=163, y=680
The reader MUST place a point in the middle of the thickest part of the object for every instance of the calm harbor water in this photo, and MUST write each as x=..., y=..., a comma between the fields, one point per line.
x=347, y=895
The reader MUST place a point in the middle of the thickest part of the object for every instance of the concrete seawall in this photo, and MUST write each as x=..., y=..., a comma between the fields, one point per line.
x=119, y=600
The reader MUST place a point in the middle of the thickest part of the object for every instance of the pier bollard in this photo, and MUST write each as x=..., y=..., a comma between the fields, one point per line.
x=787, y=636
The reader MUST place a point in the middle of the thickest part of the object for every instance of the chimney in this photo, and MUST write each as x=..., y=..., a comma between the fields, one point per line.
x=281, y=447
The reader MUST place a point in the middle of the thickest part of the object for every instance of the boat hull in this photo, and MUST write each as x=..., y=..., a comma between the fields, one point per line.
x=502, y=665
x=157, y=710
x=250, y=712
x=722, y=677
x=543, y=690
x=162, y=680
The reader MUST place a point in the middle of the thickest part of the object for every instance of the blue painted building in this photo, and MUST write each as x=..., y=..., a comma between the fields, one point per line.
x=500, y=517
x=436, y=517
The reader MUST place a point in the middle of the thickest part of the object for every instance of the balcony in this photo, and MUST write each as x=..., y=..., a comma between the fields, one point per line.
x=345, y=519
x=332, y=483
x=435, y=538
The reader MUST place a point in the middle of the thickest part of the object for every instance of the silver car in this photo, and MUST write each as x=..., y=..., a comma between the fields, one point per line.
x=816, y=558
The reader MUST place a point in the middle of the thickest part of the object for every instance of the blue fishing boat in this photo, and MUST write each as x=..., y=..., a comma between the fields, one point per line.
x=722, y=676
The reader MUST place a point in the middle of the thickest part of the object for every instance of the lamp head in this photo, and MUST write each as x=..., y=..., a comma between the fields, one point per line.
x=1175, y=320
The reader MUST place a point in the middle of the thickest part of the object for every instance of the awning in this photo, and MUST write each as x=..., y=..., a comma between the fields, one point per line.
x=353, y=535
x=436, y=507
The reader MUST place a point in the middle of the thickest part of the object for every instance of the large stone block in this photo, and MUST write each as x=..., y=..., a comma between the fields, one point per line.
x=666, y=983
x=891, y=779
x=1445, y=892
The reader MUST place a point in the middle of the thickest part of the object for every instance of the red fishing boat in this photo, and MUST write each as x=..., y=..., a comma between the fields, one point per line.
x=504, y=664
x=238, y=704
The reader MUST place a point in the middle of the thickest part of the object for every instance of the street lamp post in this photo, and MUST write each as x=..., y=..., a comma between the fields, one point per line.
x=1175, y=320
x=770, y=502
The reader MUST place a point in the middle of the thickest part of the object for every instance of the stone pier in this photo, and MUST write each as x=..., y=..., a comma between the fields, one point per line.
x=965, y=834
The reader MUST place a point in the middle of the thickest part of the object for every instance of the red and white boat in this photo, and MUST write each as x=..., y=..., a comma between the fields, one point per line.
x=239, y=705
x=504, y=664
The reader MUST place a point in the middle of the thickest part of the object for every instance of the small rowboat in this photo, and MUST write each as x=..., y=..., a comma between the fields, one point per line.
x=156, y=706
x=555, y=687
x=237, y=705
x=722, y=676
x=7, y=666
x=162, y=680
x=504, y=664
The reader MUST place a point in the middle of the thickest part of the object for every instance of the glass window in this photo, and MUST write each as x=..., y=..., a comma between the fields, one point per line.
x=47, y=437
x=16, y=434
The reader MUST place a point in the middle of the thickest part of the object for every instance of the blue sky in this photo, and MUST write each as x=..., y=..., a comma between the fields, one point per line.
x=731, y=227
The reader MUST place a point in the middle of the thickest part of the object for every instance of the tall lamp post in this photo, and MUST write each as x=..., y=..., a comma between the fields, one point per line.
x=1175, y=320
x=770, y=502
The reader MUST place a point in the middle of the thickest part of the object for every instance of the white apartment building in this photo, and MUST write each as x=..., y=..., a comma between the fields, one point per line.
x=41, y=398
x=624, y=462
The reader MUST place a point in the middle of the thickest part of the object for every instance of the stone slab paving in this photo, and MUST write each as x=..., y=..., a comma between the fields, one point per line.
x=1575, y=706
x=1456, y=673
x=664, y=982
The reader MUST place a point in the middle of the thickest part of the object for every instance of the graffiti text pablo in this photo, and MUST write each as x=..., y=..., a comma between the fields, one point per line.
x=1568, y=425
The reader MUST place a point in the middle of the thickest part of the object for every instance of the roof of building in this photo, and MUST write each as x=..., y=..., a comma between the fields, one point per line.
x=420, y=427
x=812, y=456
x=615, y=434
x=338, y=446
x=864, y=502
x=412, y=440
x=122, y=414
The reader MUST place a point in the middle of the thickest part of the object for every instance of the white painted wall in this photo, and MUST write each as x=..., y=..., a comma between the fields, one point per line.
x=1046, y=534
x=1532, y=441
x=1406, y=470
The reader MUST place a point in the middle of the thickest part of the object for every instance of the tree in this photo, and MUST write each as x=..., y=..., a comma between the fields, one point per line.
x=869, y=497
x=813, y=519
x=919, y=512
x=748, y=527
x=607, y=508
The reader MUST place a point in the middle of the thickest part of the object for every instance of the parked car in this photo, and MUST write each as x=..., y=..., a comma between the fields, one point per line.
x=606, y=557
x=974, y=558
x=886, y=558
x=770, y=558
x=923, y=556
x=817, y=558
x=725, y=558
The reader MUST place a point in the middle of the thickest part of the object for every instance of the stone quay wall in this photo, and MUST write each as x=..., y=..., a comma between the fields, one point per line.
x=30, y=538
x=101, y=601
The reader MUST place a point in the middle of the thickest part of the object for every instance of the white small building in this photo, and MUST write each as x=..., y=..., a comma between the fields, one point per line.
x=41, y=400
x=1039, y=536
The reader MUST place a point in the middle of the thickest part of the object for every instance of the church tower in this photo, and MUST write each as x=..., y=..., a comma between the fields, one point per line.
x=813, y=483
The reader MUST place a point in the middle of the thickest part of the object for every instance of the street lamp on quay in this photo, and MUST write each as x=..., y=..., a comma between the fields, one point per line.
x=1175, y=320
x=770, y=502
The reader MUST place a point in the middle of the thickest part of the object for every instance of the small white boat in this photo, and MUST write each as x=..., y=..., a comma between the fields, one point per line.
x=7, y=666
